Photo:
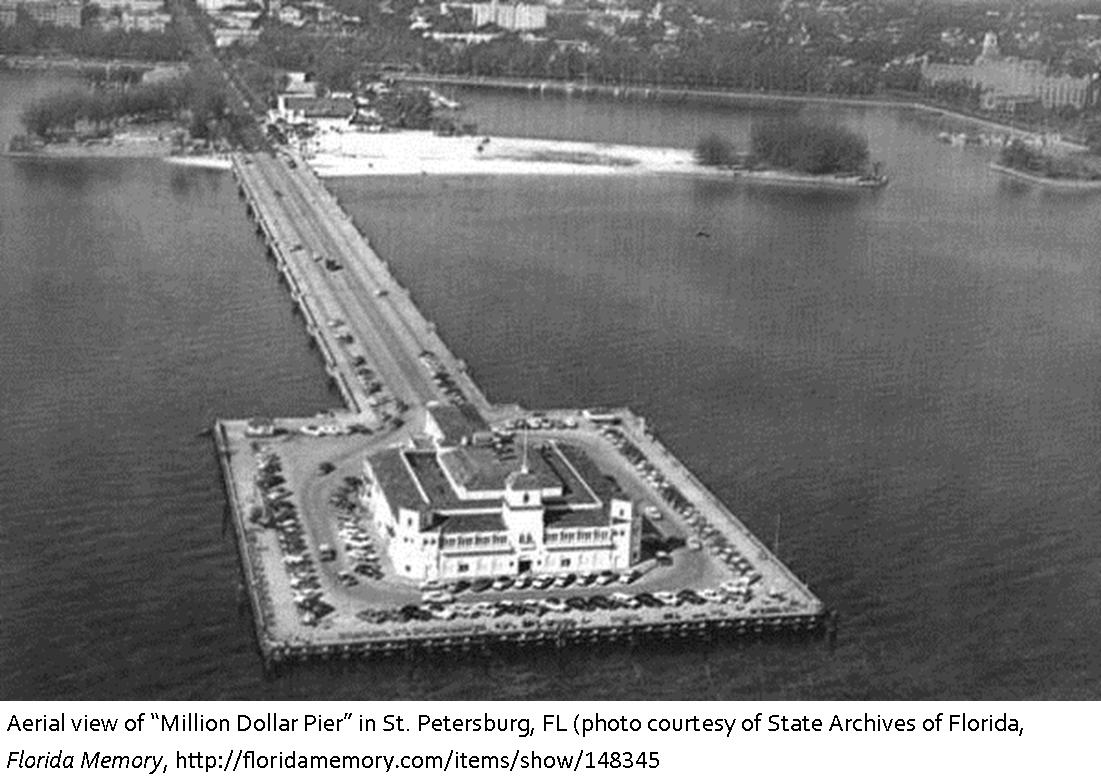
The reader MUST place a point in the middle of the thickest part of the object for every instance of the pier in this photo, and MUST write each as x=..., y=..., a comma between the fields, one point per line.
x=352, y=304
x=715, y=578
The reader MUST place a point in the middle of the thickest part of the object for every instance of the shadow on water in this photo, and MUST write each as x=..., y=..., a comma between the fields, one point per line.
x=712, y=191
x=709, y=192
x=72, y=175
x=188, y=181
x=819, y=200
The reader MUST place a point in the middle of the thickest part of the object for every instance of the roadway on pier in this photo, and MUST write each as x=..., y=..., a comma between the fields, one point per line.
x=378, y=313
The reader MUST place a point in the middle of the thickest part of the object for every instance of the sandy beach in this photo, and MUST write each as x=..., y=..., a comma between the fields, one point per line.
x=415, y=153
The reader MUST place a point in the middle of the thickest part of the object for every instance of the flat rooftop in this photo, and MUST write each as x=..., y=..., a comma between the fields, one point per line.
x=482, y=468
x=392, y=469
x=458, y=423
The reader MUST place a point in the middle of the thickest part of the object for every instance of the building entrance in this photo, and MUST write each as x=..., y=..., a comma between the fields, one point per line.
x=525, y=566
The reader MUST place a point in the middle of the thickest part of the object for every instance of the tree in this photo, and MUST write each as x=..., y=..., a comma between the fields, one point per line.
x=714, y=150
x=809, y=148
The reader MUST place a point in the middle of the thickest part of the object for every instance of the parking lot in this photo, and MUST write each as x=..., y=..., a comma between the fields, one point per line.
x=327, y=576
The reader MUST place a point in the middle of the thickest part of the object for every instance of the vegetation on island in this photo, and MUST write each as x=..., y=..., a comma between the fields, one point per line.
x=791, y=145
x=197, y=101
x=714, y=150
x=1020, y=157
x=808, y=148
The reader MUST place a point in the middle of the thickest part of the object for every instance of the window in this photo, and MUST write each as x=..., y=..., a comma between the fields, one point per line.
x=463, y=567
x=565, y=562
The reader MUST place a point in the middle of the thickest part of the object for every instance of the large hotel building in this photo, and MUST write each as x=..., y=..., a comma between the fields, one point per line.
x=456, y=503
x=1008, y=82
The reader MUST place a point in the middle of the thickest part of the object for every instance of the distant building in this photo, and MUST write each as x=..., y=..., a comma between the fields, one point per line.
x=138, y=6
x=453, y=508
x=1009, y=81
x=297, y=109
x=290, y=15
x=60, y=13
x=472, y=37
x=145, y=21
x=211, y=6
x=517, y=16
x=227, y=36
x=298, y=84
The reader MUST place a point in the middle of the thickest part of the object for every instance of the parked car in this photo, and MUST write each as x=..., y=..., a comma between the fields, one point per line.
x=668, y=598
x=437, y=596
x=690, y=596
x=456, y=587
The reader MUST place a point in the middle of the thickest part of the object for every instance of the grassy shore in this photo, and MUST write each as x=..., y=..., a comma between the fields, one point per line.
x=1057, y=183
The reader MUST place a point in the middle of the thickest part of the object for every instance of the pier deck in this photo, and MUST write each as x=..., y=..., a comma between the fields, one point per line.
x=361, y=317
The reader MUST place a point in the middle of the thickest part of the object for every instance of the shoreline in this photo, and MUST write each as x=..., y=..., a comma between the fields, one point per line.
x=422, y=153
x=1048, y=182
x=127, y=145
x=723, y=96
x=124, y=152
x=831, y=181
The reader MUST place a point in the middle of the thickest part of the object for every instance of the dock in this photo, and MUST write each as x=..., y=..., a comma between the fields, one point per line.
x=390, y=367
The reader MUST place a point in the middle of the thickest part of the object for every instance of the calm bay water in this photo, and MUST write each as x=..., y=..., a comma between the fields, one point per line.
x=909, y=378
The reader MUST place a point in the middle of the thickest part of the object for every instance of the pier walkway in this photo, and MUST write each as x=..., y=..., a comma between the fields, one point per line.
x=352, y=305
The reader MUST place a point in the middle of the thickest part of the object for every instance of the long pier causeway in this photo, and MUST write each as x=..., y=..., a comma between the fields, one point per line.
x=352, y=304
x=387, y=361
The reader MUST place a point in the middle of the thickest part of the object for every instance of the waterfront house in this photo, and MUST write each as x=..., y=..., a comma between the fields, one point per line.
x=324, y=113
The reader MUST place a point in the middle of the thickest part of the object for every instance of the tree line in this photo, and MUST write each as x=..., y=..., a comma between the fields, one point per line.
x=791, y=145
x=28, y=37
x=198, y=99
x=727, y=61
x=1020, y=157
